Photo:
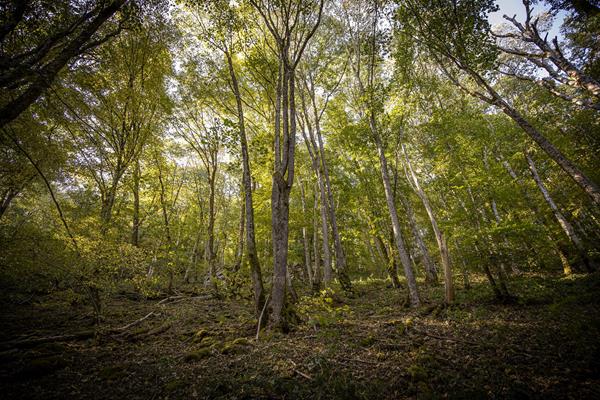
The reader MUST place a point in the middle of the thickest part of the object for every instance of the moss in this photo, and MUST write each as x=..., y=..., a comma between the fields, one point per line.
x=174, y=385
x=113, y=372
x=242, y=342
x=368, y=341
x=207, y=341
x=197, y=355
x=417, y=372
x=200, y=336
x=236, y=346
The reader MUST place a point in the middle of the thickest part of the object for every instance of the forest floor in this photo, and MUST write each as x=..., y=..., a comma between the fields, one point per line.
x=545, y=345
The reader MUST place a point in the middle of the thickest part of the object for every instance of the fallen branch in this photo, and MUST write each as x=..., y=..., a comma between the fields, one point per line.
x=156, y=331
x=48, y=339
x=134, y=323
x=300, y=372
x=261, y=316
x=168, y=299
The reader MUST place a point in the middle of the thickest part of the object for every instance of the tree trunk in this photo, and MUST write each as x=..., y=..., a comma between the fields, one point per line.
x=340, y=256
x=565, y=225
x=168, y=239
x=239, y=251
x=305, y=244
x=404, y=259
x=193, y=260
x=255, y=270
x=317, y=256
x=430, y=270
x=445, y=257
x=392, y=264
x=316, y=164
x=135, y=230
x=211, y=257
x=590, y=187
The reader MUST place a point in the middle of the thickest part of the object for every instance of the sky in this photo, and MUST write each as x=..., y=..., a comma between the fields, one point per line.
x=512, y=7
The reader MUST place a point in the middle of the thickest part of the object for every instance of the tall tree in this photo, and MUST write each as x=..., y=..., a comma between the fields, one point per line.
x=467, y=56
x=291, y=25
x=30, y=62
x=356, y=25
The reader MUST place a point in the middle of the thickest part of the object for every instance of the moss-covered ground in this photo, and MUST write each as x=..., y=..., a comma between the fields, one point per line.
x=545, y=345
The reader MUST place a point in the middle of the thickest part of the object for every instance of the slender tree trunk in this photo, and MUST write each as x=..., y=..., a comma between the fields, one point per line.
x=239, y=252
x=399, y=241
x=317, y=256
x=445, y=257
x=539, y=219
x=383, y=254
x=392, y=264
x=107, y=206
x=168, y=239
x=255, y=270
x=585, y=183
x=7, y=198
x=430, y=270
x=464, y=270
x=305, y=240
x=340, y=256
x=211, y=256
x=317, y=167
x=564, y=223
x=193, y=260
x=135, y=230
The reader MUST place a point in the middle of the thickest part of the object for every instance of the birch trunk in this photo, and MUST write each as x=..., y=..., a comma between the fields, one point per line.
x=430, y=270
x=305, y=241
x=439, y=237
x=135, y=230
x=564, y=223
x=255, y=270
x=317, y=257
x=399, y=241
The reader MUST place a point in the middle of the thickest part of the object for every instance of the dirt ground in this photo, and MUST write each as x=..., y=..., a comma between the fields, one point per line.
x=545, y=345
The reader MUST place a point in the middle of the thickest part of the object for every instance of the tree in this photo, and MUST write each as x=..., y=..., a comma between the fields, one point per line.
x=470, y=50
x=224, y=35
x=367, y=95
x=53, y=36
x=291, y=25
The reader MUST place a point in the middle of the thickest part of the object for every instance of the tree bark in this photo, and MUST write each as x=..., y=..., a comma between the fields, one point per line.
x=564, y=223
x=399, y=241
x=135, y=230
x=586, y=184
x=430, y=270
x=255, y=270
x=305, y=244
x=439, y=237
x=340, y=256
x=210, y=254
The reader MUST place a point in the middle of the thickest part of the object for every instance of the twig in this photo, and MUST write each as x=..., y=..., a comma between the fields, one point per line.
x=261, y=316
x=136, y=322
x=167, y=299
x=300, y=372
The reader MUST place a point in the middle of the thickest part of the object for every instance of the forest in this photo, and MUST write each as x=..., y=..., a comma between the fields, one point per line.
x=300, y=199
